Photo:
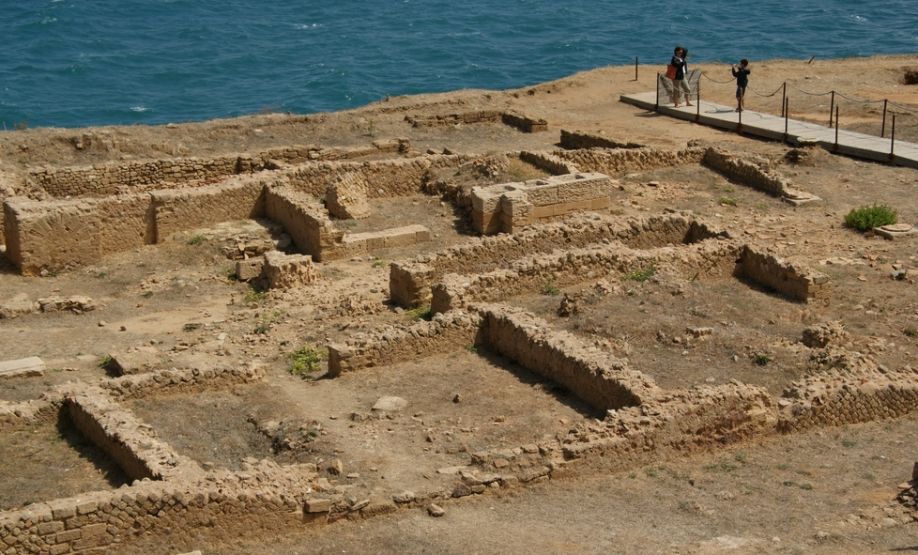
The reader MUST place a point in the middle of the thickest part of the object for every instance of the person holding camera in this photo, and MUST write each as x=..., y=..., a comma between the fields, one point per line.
x=741, y=72
x=680, y=84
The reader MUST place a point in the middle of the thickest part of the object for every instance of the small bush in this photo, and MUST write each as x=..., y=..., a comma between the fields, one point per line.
x=196, y=240
x=643, y=274
x=550, y=289
x=419, y=313
x=254, y=297
x=761, y=359
x=910, y=331
x=105, y=361
x=866, y=218
x=727, y=201
x=306, y=361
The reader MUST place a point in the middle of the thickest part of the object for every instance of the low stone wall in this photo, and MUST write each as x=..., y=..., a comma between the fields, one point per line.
x=363, y=243
x=574, y=140
x=128, y=441
x=173, y=381
x=596, y=378
x=238, y=198
x=548, y=162
x=186, y=510
x=19, y=414
x=507, y=207
x=444, y=333
x=108, y=179
x=790, y=280
x=750, y=170
x=521, y=122
x=675, y=421
x=708, y=258
x=853, y=389
x=620, y=161
x=385, y=178
x=304, y=219
x=410, y=281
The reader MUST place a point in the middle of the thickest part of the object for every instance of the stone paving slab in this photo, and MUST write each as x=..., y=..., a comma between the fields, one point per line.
x=771, y=126
x=31, y=366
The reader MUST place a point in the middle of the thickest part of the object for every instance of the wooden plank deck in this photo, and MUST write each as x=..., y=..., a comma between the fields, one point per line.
x=770, y=126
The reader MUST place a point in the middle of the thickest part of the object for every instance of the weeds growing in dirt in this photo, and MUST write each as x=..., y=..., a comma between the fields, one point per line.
x=550, y=289
x=643, y=274
x=866, y=218
x=196, y=239
x=727, y=201
x=105, y=361
x=761, y=359
x=419, y=313
x=379, y=263
x=910, y=331
x=306, y=361
x=254, y=297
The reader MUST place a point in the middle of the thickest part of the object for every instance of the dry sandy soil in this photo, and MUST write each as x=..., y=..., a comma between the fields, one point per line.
x=823, y=491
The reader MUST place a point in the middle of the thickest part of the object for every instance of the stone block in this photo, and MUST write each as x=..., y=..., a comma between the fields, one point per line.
x=347, y=197
x=31, y=366
x=288, y=270
x=318, y=505
x=249, y=269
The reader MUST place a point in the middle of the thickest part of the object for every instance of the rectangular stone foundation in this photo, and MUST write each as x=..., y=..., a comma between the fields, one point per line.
x=506, y=207
x=776, y=274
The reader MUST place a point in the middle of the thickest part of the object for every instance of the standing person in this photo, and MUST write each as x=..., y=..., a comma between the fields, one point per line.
x=741, y=72
x=680, y=84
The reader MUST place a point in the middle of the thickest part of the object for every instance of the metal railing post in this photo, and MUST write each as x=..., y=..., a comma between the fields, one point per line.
x=635, y=68
x=656, y=106
x=739, y=125
x=786, y=116
x=836, y=129
x=883, y=127
x=783, y=98
x=831, y=108
x=698, y=101
x=892, y=140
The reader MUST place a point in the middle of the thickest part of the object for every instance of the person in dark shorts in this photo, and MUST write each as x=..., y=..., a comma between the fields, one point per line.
x=741, y=71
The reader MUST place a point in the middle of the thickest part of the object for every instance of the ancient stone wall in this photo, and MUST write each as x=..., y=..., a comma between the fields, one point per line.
x=385, y=178
x=237, y=198
x=347, y=197
x=108, y=179
x=56, y=235
x=548, y=162
x=173, y=381
x=790, y=280
x=753, y=171
x=304, y=219
x=410, y=281
x=598, y=379
x=444, y=333
x=574, y=140
x=619, y=161
x=559, y=269
x=120, y=435
x=507, y=207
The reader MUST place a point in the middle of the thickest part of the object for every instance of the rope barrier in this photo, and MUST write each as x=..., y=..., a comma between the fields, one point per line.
x=705, y=75
x=767, y=95
x=810, y=93
x=861, y=100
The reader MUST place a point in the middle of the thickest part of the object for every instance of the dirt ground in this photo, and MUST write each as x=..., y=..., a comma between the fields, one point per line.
x=178, y=300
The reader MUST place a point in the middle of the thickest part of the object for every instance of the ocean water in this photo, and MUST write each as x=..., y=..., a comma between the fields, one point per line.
x=93, y=62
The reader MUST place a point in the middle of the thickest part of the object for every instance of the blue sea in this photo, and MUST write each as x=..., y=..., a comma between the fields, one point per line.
x=74, y=63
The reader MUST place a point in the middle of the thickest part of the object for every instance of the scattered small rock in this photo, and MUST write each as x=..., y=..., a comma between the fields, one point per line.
x=435, y=510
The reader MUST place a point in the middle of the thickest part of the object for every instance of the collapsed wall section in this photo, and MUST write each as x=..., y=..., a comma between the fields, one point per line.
x=574, y=140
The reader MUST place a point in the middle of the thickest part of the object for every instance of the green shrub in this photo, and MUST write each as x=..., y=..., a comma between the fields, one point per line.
x=866, y=218
x=550, y=289
x=254, y=297
x=196, y=239
x=643, y=274
x=422, y=312
x=306, y=361
x=727, y=201
x=761, y=359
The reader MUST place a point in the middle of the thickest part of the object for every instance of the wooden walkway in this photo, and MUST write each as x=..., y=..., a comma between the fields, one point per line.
x=770, y=126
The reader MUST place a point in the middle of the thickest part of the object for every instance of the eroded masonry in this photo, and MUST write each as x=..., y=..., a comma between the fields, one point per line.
x=507, y=337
